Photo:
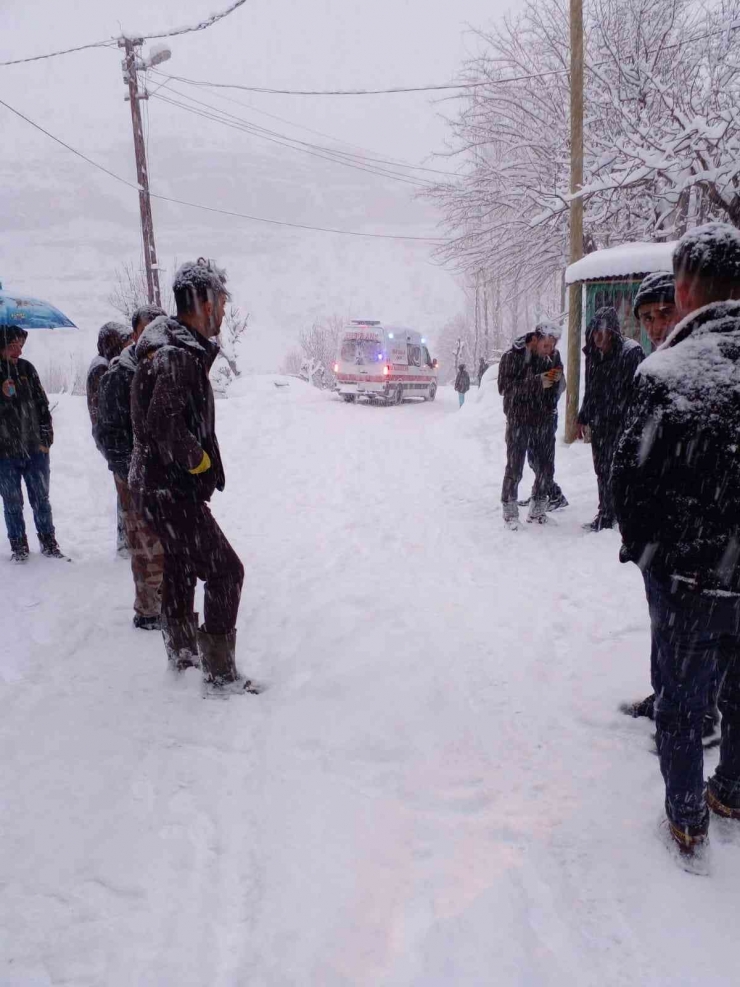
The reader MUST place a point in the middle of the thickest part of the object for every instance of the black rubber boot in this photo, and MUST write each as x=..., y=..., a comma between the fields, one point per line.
x=218, y=657
x=181, y=641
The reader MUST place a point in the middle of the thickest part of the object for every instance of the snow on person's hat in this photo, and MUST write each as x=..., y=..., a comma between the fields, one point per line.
x=548, y=329
x=658, y=287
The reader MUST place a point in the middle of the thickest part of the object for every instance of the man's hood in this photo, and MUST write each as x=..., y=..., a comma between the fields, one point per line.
x=112, y=338
x=604, y=318
x=165, y=331
x=127, y=360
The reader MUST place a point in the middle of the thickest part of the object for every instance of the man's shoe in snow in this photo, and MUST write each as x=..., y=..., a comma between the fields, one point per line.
x=143, y=623
x=50, y=549
x=511, y=514
x=556, y=503
x=599, y=523
x=181, y=641
x=218, y=661
x=645, y=707
x=19, y=550
x=690, y=846
x=538, y=511
x=722, y=803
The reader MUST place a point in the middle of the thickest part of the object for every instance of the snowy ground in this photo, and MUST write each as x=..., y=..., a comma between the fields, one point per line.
x=437, y=788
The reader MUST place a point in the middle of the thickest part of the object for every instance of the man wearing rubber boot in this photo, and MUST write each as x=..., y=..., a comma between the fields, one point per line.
x=676, y=484
x=175, y=468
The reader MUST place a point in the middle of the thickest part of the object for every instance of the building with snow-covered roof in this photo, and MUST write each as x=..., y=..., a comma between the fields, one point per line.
x=612, y=276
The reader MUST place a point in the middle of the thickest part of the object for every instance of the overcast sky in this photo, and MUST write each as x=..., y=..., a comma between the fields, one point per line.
x=275, y=43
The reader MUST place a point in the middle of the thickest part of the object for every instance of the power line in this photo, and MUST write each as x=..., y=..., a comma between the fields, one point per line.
x=213, y=209
x=315, y=150
x=200, y=26
x=373, y=155
x=55, y=54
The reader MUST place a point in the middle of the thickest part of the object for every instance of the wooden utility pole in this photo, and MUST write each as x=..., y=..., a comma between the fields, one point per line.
x=130, y=76
x=576, y=215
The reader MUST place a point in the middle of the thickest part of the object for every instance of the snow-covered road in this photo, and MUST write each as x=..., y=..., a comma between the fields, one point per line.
x=435, y=790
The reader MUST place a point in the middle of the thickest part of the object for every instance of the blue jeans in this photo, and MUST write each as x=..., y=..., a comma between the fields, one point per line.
x=35, y=471
x=695, y=651
x=461, y=396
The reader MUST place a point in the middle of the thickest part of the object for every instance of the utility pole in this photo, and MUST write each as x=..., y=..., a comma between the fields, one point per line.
x=131, y=65
x=576, y=215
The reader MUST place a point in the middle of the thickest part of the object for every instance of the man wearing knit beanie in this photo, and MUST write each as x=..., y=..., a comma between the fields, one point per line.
x=655, y=306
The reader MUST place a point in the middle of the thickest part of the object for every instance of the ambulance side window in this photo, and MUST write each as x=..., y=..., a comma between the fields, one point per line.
x=427, y=358
x=414, y=355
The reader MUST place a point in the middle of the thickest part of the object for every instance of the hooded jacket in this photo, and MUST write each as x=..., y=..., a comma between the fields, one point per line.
x=609, y=376
x=114, y=433
x=111, y=340
x=526, y=401
x=173, y=414
x=676, y=471
x=462, y=381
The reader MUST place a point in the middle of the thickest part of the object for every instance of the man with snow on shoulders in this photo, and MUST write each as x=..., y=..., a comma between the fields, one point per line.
x=611, y=362
x=175, y=468
x=26, y=435
x=114, y=436
x=530, y=379
x=676, y=483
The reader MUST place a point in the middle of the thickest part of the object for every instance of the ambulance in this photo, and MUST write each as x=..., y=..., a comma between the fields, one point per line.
x=384, y=363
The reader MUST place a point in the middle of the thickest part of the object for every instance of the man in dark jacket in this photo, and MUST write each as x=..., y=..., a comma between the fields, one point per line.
x=114, y=436
x=112, y=339
x=611, y=362
x=462, y=383
x=677, y=493
x=530, y=378
x=26, y=434
x=176, y=466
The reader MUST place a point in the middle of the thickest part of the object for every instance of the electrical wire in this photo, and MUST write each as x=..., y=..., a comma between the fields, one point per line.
x=200, y=26
x=55, y=54
x=315, y=150
x=399, y=162
x=213, y=209
x=431, y=88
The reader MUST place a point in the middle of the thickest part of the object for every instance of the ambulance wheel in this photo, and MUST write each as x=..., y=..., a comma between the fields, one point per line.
x=432, y=393
x=350, y=398
x=398, y=397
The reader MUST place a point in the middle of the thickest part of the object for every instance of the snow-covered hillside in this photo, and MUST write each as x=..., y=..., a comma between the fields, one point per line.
x=436, y=789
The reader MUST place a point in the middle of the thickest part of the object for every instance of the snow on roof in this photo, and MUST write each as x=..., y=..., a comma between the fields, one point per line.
x=626, y=259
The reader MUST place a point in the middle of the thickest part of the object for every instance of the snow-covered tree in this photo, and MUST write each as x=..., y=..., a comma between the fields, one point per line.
x=661, y=136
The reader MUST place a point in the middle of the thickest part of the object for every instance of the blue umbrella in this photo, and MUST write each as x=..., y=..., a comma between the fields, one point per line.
x=30, y=313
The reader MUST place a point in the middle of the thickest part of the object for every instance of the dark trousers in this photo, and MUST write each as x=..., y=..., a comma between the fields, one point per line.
x=34, y=470
x=539, y=442
x=555, y=490
x=603, y=445
x=196, y=548
x=695, y=650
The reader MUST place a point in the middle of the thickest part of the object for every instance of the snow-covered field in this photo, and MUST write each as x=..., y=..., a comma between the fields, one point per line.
x=436, y=789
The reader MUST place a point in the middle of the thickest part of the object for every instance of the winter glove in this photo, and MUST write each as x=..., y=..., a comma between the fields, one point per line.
x=625, y=555
x=203, y=466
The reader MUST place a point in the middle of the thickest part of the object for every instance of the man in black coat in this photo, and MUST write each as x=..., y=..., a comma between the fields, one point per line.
x=176, y=467
x=676, y=483
x=530, y=378
x=462, y=383
x=114, y=436
x=611, y=362
x=26, y=435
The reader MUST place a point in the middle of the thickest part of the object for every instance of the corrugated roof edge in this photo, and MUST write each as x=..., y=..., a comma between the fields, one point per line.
x=626, y=259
